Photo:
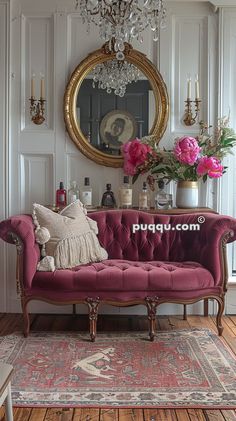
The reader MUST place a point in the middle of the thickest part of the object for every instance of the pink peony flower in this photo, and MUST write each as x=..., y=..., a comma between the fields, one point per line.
x=125, y=147
x=135, y=153
x=211, y=166
x=129, y=169
x=186, y=150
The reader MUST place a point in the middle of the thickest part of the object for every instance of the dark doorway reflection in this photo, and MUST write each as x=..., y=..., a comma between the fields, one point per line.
x=107, y=120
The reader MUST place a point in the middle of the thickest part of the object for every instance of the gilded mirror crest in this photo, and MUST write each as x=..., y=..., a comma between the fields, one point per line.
x=100, y=121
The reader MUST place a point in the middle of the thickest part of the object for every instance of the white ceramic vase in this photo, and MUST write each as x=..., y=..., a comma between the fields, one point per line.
x=187, y=194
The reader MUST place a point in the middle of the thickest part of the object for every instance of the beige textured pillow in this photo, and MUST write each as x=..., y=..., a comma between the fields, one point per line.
x=70, y=235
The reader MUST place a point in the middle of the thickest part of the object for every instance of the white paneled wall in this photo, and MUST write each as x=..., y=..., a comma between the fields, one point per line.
x=4, y=71
x=53, y=42
x=227, y=104
x=48, y=38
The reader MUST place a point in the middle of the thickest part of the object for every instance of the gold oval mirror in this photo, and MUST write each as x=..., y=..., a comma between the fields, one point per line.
x=99, y=122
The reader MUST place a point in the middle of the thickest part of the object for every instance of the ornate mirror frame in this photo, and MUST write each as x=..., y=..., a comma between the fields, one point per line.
x=82, y=70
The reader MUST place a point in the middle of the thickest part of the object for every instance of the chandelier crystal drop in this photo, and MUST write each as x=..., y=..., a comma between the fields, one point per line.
x=114, y=76
x=123, y=20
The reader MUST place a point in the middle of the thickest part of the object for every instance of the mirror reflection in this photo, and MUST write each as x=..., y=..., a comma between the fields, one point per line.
x=100, y=120
x=108, y=119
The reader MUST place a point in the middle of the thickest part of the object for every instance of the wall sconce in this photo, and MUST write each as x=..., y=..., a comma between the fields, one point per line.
x=190, y=118
x=37, y=107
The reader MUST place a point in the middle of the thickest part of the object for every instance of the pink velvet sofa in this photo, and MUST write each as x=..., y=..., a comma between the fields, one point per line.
x=173, y=266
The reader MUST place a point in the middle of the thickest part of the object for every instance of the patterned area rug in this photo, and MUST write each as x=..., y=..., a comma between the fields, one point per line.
x=188, y=368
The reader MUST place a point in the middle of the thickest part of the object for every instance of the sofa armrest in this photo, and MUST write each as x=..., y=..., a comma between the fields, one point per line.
x=19, y=230
x=207, y=245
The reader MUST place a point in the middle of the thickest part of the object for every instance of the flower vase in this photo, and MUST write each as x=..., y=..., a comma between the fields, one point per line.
x=187, y=194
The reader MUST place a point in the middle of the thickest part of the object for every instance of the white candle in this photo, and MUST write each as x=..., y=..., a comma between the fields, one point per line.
x=32, y=87
x=189, y=88
x=197, y=88
x=42, y=88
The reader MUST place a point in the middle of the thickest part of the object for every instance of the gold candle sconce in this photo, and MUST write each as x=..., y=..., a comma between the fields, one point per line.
x=191, y=116
x=37, y=106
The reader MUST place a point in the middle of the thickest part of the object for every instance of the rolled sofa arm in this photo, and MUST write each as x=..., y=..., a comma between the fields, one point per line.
x=206, y=244
x=19, y=230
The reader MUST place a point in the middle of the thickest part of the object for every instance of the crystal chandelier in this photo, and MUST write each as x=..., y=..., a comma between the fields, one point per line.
x=123, y=20
x=114, y=76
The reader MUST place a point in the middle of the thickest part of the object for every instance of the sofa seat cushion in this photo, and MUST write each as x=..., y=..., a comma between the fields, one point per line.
x=125, y=275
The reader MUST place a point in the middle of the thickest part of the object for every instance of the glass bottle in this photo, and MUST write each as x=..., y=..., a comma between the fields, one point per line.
x=125, y=194
x=108, y=198
x=73, y=192
x=86, y=193
x=61, y=195
x=144, y=198
x=163, y=200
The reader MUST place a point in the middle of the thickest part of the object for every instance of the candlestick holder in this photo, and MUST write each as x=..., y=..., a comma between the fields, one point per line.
x=190, y=119
x=37, y=110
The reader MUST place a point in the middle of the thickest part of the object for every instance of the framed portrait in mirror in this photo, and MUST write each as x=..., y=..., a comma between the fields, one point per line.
x=117, y=127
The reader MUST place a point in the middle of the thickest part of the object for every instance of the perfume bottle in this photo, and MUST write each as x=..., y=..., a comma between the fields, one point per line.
x=125, y=194
x=163, y=200
x=144, y=198
x=61, y=195
x=86, y=193
x=108, y=198
x=73, y=192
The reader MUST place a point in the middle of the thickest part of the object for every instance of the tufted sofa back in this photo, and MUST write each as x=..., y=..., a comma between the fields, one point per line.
x=173, y=244
x=117, y=236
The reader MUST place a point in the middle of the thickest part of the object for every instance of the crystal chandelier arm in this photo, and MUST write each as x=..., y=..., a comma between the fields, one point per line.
x=105, y=9
x=94, y=11
x=109, y=16
x=116, y=16
x=107, y=4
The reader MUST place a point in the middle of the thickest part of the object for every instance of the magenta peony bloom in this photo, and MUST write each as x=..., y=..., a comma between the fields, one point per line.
x=186, y=150
x=135, y=153
x=125, y=147
x=129, y=169
x=211, y=166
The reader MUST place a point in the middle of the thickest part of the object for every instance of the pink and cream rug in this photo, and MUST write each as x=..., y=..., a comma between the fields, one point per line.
x=188, y=368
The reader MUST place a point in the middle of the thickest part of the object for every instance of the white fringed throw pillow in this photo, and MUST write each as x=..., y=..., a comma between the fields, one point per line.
x=68, y=236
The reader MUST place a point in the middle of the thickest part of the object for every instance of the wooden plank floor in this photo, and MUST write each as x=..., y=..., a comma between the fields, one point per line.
x=13, y=322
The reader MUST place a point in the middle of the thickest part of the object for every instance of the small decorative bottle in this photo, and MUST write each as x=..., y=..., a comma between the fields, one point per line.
x=125, y=194
x=86, y=193
x=163, y=200
x=73, y=193
x=108, y=198
x=61, y=195
x=144, y=198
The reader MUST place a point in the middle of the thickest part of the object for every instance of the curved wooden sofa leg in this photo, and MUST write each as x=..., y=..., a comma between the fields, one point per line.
x=93, y=304
x=74, y=309
x=185, y=312
x=152, y=303
x=206, y=307
x=221, y=306
x=26, y=319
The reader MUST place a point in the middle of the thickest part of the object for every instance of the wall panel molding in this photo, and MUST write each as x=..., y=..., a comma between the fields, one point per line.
x=189, y=45
x=189, y=35
x=36, y=176
x=36, y=58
